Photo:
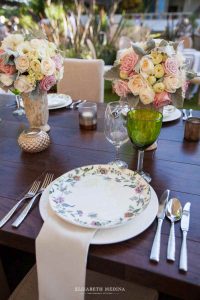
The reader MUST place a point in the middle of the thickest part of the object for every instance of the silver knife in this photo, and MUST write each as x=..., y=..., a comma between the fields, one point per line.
x=185, y=220
x=155, y=251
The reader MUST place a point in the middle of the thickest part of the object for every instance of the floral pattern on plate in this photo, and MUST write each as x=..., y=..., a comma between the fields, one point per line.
x=99, y=196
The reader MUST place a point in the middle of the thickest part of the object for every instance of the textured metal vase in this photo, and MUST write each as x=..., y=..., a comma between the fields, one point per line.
x=37, y=112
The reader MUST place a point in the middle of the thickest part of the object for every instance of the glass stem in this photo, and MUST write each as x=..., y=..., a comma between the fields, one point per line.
x=140, y=161
x=117, y=152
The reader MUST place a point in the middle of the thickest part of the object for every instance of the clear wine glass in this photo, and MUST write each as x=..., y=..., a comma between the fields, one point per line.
x=115, y=129
x=143, y=127
x=19, y=111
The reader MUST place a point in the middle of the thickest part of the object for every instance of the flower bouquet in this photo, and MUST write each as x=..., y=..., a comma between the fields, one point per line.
x=29, y=67
x=152, y=72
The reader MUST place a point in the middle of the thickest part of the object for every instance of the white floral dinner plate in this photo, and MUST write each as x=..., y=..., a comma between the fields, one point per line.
x=110, y=235
x=99, y=196
x=56, y=101
x=171, y=113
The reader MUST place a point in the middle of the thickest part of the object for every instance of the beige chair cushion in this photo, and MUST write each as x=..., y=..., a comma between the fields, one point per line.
x=83, y=79
x=27, y=289
x=4, y=289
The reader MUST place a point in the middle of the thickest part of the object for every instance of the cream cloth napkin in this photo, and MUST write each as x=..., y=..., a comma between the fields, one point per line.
x=61, y=254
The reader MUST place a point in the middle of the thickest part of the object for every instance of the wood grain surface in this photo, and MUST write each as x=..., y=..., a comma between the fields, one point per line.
x=175, y=165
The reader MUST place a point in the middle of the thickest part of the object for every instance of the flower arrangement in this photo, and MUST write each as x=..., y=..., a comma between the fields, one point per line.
x=151, y=72
x=29, y=64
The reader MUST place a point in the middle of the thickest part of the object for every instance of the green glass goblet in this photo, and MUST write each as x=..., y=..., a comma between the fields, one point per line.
x=143, y=128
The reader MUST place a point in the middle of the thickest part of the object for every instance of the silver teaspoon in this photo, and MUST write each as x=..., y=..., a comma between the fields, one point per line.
x=174, y=213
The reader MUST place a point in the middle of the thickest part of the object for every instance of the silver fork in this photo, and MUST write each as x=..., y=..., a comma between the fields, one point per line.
x=47, y=180
x=31, y=193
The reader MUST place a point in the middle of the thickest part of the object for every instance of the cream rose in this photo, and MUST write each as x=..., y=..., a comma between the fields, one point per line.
x=136, y=83
x=7, y=80
x=35, y=65
x=146, y=66
x=22, y=63
x=23, y=85
x=147, y=95
x=12, y=41
x=172, y=83
x=48, y=67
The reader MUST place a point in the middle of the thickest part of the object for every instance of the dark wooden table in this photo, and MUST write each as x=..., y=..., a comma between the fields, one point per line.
x=175, y=165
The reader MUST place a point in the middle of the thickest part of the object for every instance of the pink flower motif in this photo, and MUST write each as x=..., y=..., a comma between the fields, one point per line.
x=162, y=99
x=171, y=66
x=128, y=62
x=47, y=82
x=185, y=87
x=121, y=88
x=1, y=52
x=58, y=61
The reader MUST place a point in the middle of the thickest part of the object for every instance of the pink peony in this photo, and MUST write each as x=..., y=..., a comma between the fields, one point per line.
x=128, y=62
x=7, y=69
x=121, y=88
x=171, y=66
x=58, y=60
x=162, y=99
x=47, y=82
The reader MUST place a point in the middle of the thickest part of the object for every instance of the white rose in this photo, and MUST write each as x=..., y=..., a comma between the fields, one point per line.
x=23, y=85
x=24, y=48
x=12, y=41
x=41, y=46
x=48, y=67
x=7, y=80
x=146, y=66
x=51, y=49
x=147, y=95
x=22, y=63
x=37, y=43
x=171, y=83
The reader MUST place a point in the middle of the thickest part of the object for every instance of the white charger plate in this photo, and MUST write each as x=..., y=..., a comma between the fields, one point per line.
x=56, y=101
x=99, y=196
x=172, y=116
x=113, y=235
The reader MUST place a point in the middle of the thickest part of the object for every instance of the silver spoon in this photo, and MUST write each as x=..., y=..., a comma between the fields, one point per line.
x=174, y=213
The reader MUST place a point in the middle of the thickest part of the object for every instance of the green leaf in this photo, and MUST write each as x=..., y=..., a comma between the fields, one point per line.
x=150, y=45
x=112, y=74
x=163, y=43
x=137, y=67
x=133, y=100
x=190, y=75
x=177, y=98
x=139, y=51
x=174, y=45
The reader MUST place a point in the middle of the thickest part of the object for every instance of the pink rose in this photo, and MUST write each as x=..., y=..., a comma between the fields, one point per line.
x=47, y=82
x=171, y=66
x=58, y=61
x=121, y=88
x=161, y=99
x=7, y=69
x=128, y=62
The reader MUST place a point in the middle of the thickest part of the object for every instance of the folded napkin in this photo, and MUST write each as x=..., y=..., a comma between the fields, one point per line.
x=61, y=254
